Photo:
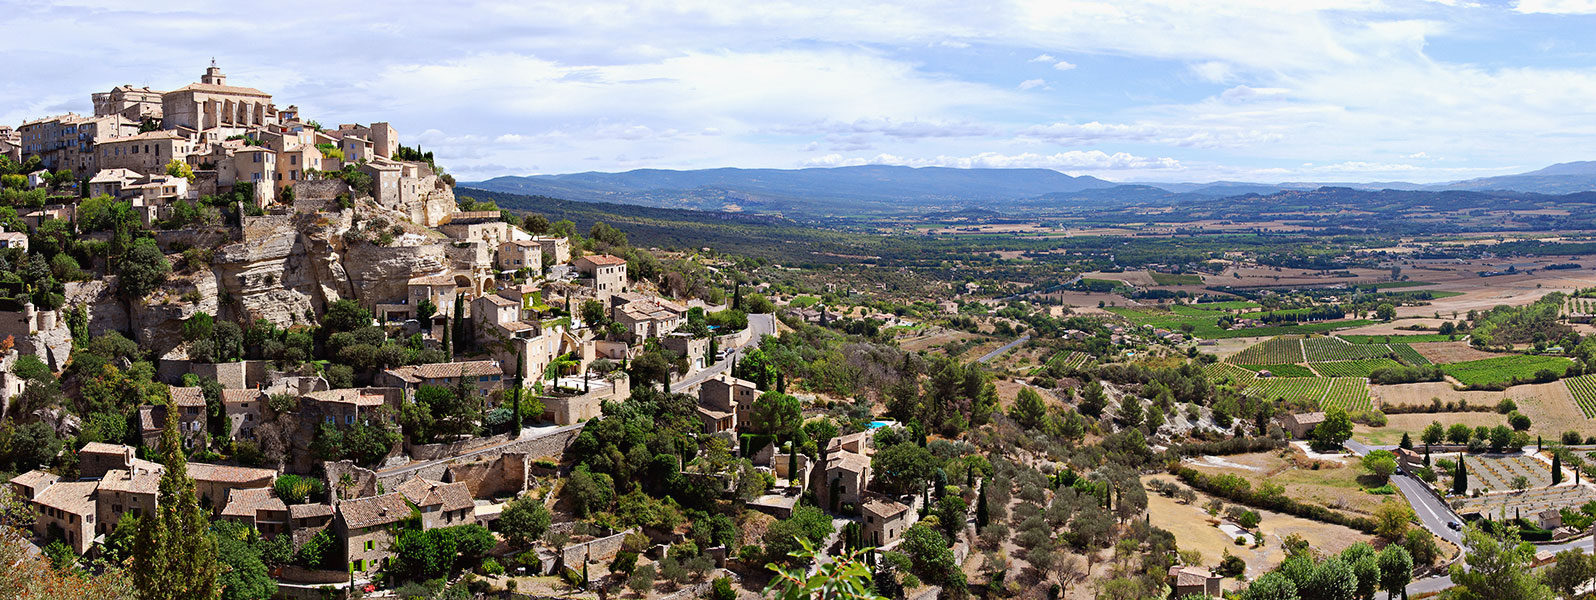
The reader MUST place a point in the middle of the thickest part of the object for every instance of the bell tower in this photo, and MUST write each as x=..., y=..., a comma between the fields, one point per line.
x=213, y=75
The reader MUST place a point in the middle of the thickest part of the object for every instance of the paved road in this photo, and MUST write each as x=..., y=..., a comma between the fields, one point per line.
x=759, y=326
x=1006, y=347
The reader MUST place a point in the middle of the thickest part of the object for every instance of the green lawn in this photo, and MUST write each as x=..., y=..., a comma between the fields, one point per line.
x=1505, y=369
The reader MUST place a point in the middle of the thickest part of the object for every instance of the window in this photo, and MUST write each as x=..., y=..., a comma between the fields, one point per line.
x=331, y=420
x=370, y=544
x=349, y=419
x=256, y=155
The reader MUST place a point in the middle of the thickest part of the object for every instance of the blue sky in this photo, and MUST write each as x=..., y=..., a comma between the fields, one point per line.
x=1126, y=90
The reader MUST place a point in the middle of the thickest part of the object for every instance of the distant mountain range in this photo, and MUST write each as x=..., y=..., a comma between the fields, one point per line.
x=885, y=190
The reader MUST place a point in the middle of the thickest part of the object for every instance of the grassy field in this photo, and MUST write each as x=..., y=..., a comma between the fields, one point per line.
x=1413, y=424
x=1174, y=279
x=1505, y=369
x=1353, y=368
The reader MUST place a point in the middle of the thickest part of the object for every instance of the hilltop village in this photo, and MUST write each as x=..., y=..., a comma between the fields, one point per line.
x=245, y=355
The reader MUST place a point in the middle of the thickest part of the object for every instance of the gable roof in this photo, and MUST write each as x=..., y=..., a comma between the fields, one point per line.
x=473, y=368
x=604, y=260
x=229, y=473
x=145, y=481
x=187, y=396
x=76, y=497
x=247, y=502
x=374, y=510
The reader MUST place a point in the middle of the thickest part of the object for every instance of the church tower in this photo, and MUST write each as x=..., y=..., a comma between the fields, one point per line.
x=213, y=75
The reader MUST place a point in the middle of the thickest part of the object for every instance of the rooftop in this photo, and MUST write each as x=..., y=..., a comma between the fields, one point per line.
x=420, y=373
x=604, y=260
x=187, y=396
x=76, y=497
x=228, y=473
x=145, y=481
x=374, y=510
x=248, y=502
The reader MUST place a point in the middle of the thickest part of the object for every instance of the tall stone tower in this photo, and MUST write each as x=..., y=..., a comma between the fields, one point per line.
x=213, y=75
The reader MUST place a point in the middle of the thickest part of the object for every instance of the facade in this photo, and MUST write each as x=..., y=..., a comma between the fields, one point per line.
x=61, y=508
x=259, y=508
x=885, y=520
x=145, y=153
x=1300, y=425
x=245, y=409
x=557, y=247
x=131, y=103
x=1194, y=581
x=515, y=255
x=441, y=504
x=189, y=402
x=215, y=483
x=646, y=317
x=846, y=474
x=724, y=393
x=607, y=274
x=131, y=491
x=363, y=524
x=215, y=108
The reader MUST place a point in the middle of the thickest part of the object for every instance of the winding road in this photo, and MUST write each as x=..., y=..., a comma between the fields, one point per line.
x=1434, y=514
x=1005, y=348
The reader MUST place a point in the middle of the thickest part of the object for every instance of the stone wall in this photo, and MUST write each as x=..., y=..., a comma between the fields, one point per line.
x=601, y=550
x=176, y=240
x=549, y=445
x=486, y=479
x=364, y=480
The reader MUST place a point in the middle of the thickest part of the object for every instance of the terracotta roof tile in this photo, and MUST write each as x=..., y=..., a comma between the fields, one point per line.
x=374, y=510
x=187, y=396
x=248, y=502
x=229, y=473
x=604, y=260
x=418, y=373
x=76, y=497
x=121, y=480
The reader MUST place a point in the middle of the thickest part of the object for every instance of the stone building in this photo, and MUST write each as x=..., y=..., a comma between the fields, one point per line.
x=63, y=508
x=364, y=525
x=604, y=273
x=885, y=520
x=216, y=109
x=441, y=504
x=131, y=103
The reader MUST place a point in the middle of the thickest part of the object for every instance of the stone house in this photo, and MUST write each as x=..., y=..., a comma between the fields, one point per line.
x=1194, y=581
x=189, y=402
x=362, y=524
x=477, y=226
x=515, y=255
x=696, y=349
x=724, y=393
x=259, y=508
x=126, y=491
x=441, y=504
x=1300, y=425
x=885, y=520
x=61, y=508
x=214, y=483
x=606, y=274
x=483, y=376
x=440, y=289
x=245, y=410
x=849, y=472
x=216, y=109
x=145, y=153
x=557, y=247
x=96, y=458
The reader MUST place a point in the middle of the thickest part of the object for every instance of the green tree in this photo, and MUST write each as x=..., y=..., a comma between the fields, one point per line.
x=523, y=521
x=245, y=576
x=1557, y=468
x=1335, y=430
x=142, y=270
x=1460, y=478
x=1028, y=410
x=845, y=577
x=1380, y=463
x=174, y=558
x=1396, y=570
x=903, y=468
x=1385, y=312
x=1571, y=572
x=1498, y=568
x=1271, y=586
x=777, y=414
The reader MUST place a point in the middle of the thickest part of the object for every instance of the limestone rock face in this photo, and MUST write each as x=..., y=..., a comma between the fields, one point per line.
x=270, y=274
x=378, y=273
x=107, y=313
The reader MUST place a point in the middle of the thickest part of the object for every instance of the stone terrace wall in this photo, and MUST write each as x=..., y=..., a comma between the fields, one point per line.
x=552, y=444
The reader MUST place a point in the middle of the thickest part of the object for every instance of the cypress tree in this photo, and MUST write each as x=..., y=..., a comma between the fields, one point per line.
x=1407, y=442
x=981, y=515
x=459, y=322
x=448, y=349
x=515, y=417
x=175, y=557
x=1557, y=468
x=1460, y=479
x=792, y=463
x=737, y=296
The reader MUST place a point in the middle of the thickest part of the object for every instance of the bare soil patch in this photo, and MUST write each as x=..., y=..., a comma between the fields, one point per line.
x=1450, y=352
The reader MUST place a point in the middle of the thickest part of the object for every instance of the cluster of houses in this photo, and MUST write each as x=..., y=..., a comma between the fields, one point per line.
x=225, y=135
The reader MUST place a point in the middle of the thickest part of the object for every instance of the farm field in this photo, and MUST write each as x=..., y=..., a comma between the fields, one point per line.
x=1071, y=360
x=1275, y=351
x=1205, y=323
x=1413, y=424
x=1505, y=369
x=1325, y=349
x=1192, y=531
x=1335, y=484
x=1401, y=338
x=1219, y=371
x=1353, y=368
x=1174, y=279
x=1282, y=370
x=1583, y=391
x=1349, y=393
x=1227, y=305
x=1290, y=388
x=1450, y=352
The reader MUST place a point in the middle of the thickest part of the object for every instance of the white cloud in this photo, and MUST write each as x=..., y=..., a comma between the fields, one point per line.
x=1242, y=93
x=1033, y=83
x=1064, y=65
x=1091, y=133
x=1042, y=58
x=1559, y=7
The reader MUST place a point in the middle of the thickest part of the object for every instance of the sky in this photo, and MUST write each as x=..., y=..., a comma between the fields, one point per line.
x=1125, y=90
